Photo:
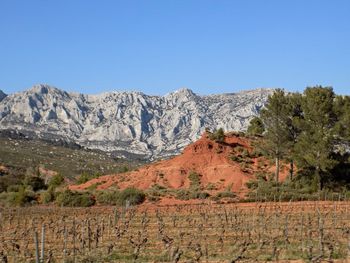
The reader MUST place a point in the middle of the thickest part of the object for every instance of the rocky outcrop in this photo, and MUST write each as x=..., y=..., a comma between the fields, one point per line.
x=2, y=95
x=131, y=124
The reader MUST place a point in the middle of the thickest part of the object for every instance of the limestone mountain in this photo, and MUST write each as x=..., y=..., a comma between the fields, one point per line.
x=130, y=124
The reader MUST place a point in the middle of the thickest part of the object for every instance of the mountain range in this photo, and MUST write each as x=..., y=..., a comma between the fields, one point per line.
x=129, y=124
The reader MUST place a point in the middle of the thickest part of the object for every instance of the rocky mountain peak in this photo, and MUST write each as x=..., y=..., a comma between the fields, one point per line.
x=130, y=124
x=43, y=89
x=184, y=91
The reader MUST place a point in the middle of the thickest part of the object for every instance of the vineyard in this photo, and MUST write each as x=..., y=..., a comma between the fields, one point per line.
x=308, y=231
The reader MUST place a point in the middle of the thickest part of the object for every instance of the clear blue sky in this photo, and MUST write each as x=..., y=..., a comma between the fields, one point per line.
x=159, y=46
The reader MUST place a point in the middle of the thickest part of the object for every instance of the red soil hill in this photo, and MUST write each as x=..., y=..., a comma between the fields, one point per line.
x=221, y=166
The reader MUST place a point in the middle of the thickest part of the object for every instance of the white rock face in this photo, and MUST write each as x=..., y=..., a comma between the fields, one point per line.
x=131, y=124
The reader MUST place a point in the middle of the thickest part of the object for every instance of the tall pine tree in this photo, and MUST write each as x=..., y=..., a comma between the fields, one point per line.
x=274, y=117
x=316, y=141
x=294, y=115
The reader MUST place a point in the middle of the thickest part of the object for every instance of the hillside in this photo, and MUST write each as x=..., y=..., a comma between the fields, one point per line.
x=129, y=124
x=19, y=154
x=205, y=165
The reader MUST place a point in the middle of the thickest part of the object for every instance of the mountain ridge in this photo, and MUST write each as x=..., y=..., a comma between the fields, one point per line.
x=131, y=124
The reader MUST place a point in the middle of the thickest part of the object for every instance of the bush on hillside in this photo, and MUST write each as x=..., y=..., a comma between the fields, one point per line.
x=184, y=194
x=226, y=194
x=56, y=181
x=35, y=182
x=23, y=197
x=47, y=196
x=84, y=177
x=108, y=197
x=8, y=180
x=74, y=199
x=218, y=135
x=195, y=180
x=131, y=196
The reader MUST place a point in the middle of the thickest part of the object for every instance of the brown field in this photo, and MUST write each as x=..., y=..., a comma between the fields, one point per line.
x=248, y=232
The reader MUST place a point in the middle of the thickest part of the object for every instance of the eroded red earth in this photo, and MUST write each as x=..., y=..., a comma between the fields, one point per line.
x=211, y=160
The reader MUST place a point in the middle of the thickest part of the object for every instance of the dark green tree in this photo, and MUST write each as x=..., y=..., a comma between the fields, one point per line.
x=217, y=135
x=220, y=135
x=35, y=182
x=294, y=116
x=276, y=136
x=315, y=143
x=342, y=110
x=256, y=127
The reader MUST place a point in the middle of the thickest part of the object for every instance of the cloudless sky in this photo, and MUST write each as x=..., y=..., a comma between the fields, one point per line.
x=157, y=47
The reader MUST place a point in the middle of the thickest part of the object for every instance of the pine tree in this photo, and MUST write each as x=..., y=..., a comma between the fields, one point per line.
x=294, y=115
x=256, y=127
x=220, y=135
x=274, y=117
x=217, y=135
x=316, y=141
x=342, y=110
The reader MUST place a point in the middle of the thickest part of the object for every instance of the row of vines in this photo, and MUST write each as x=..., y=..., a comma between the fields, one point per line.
x=311, y=231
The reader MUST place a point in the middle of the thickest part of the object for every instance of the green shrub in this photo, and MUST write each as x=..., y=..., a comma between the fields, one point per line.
x=235, y=158
x=153, y=198
x=225, y=194
x=8, y=198
x=21, y=198
x=218, y=135
x=14, y=188
x=245, y=167
x=47, y=196
x=84, y=177
x=8, y=180
x=158, y=187
x=123, y=169
x=195, y=180
x=74, y=199
x=56, y=181
x=35, y=182
x=3, y=198
x=184, y=194
x=253, y=184
x=210, y=186
x=245, y=154
x=131, y=195
x=201, y=195
x=300, y=188
x=239, y=149
x=108, y=197
x=93, y=186
x=157, y=190
x=255, y=153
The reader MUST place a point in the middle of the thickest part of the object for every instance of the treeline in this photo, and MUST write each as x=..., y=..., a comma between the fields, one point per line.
x=310, y=132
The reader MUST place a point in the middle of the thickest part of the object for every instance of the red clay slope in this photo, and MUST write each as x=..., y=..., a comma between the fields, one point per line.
x=211, y=160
